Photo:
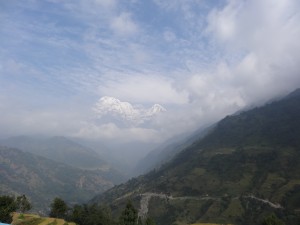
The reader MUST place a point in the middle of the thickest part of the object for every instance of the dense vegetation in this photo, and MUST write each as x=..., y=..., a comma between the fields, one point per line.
x=80, y=214
x=94, y=214
x=9, y=204
x=247, y=167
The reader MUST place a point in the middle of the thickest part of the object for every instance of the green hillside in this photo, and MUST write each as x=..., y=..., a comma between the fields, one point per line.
x=247, y=167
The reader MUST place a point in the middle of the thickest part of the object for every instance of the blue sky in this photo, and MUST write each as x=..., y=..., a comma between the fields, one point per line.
x=201, y=60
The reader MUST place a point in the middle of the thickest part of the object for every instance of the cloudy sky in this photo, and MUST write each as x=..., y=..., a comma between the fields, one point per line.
x=200, y=60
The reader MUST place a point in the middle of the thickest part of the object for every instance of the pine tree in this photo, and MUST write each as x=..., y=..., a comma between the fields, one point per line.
x=129, y=215
x=149, y=221
x=23, y=204
x=58, y=209
x=7, y=206
x=272, y=220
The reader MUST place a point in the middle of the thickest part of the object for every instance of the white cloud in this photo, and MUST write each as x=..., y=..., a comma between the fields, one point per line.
x=223, y=22
x=111, y=131
x=124, y=24
x=248, y=53
x=143, y=88
x=262, y=38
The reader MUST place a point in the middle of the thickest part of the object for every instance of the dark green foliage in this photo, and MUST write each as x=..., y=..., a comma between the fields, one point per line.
x=129, y=215
x=272, y=220
x=78, y=214
x=7, y=206
x=140, y=222
x=149, y=221
x=91, y=215
x=275, y=124
x=23, y=204
x=58, y=209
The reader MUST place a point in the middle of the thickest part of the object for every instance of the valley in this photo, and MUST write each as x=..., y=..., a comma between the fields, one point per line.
x=155, y=112
x=42, y=179
x=237, y=171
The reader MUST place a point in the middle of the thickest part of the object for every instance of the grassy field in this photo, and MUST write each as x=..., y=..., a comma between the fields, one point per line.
x=30, y=219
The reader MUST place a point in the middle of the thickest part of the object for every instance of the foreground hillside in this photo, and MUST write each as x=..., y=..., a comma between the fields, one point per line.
x=42, y=179
x=246, y=167
x=30, y=219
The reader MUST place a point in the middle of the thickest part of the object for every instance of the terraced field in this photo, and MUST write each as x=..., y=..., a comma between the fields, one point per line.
x=30, y=219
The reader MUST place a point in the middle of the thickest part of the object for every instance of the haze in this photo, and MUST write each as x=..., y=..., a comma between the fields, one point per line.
x=199, y=60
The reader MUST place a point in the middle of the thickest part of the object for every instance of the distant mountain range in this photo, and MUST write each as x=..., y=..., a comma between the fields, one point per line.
x=44, y=168
x=43, y=179
x=248, y=165
x=63, y=150
x=59, y=149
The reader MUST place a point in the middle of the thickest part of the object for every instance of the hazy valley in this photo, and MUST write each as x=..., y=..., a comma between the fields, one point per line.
x=236, y=171
x=154, y=112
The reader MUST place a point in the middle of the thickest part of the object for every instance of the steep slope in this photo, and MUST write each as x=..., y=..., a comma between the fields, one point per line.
x=166, y=152
x=42, y=179
x=247, y=166
x=63, y=150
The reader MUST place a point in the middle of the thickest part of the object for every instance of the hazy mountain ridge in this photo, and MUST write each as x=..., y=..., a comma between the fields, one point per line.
x=42, y=179
x=253, y=153
x=59, y=149
x=166, y=152
x=63, y=150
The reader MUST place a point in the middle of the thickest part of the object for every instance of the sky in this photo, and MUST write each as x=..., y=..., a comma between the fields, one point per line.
x=199, y=60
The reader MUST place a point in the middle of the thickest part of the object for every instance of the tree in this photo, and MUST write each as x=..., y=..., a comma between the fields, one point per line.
x=7, y=206
x=78, y=214
x=91, y=215
x=272, y=220
x=149, y=221
x=140, y=222
x=129, y=215
x=58, y=209
x=23, y=204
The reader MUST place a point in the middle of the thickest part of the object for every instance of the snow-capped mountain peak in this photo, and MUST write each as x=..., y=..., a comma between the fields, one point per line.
x=157, y=108
x=110, y=106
